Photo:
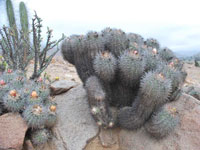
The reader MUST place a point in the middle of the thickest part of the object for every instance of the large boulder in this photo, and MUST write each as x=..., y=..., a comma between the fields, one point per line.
x=76, y=129
x=185, y=137
x=75, y=126
x=12, y=131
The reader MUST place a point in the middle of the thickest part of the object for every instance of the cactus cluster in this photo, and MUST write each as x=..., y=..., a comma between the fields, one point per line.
x=136, y=76
x=31, y=99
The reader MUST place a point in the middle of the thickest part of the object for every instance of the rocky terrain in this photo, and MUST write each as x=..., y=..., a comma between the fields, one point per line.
x=76, y=130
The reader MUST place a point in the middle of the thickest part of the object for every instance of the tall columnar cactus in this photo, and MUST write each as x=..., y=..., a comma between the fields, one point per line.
x=15, y=42
x=18, y=52
x=122, y=70
x=11, y=17
x=24, y=17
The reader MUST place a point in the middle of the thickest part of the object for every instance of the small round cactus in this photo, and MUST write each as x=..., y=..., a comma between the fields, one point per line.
x=162, y=122
x=51, y=116
x=14, y=101
x=33, y=98
x=35, y=115
x=40, y=136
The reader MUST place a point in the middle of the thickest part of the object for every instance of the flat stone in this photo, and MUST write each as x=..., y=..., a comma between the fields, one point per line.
x=12, y=131
x=62, y=86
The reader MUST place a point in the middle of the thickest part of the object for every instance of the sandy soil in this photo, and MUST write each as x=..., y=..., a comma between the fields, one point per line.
x=65, y=71
x=58, y=68
x=193, y=72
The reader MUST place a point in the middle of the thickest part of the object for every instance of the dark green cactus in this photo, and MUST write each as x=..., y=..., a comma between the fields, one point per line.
x=136, y=40
x=40, y=136
x=96, y=98
x=166, y=54
x=153, y=43
x=105, y=66
x=162, y=122
x=131, y=66
x=115, y=40
x=154, y=92
x=152, y=60
x=174, y=75
x=138, y=84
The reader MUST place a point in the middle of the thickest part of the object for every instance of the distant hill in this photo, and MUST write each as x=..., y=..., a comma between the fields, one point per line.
x=186, y=53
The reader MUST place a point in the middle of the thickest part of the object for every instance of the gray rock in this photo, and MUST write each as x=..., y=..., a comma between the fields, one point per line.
x=75, y=125
x=193, y=90
x=62, y=86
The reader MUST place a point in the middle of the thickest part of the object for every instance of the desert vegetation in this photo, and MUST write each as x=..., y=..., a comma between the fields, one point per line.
x=28, y=96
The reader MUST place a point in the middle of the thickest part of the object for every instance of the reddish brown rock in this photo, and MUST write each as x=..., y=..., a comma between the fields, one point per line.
x=12, y=131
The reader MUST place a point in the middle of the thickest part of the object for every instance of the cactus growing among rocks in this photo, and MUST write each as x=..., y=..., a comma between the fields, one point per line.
x=14, y=101
x=162, y=122
x=35, y=115
x=40, y=136
x=142, y=78
x=29, y=98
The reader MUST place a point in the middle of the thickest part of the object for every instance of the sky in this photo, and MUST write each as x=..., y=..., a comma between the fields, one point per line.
x=174, y=23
